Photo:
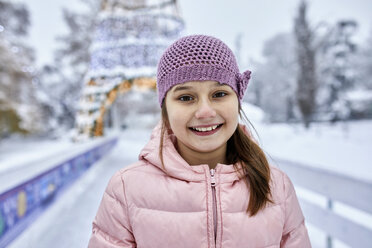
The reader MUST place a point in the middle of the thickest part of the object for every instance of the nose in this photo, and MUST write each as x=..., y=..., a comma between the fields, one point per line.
x=205, y=110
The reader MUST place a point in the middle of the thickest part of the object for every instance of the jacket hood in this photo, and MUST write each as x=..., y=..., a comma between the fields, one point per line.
x=174, y=165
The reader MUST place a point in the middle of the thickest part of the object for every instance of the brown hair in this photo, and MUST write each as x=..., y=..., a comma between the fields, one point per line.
x=241, y=148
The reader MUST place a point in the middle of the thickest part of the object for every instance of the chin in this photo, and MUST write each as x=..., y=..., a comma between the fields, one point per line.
x=206, y=148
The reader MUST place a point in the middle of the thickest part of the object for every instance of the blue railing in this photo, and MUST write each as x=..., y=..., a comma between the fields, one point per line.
x=22, y=204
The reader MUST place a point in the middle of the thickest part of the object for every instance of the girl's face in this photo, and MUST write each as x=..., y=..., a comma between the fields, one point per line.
x=202, y=115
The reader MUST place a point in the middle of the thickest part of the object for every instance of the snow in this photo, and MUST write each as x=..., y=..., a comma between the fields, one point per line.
x=34, y=157
x=255, y=113
x=104, y=87
x=2, y=95
x=87, y=120
x=359, y=95
x=142, y=71
x=17, y=151
x=342, y=147
x=122, y=13
x=85, y=105
x=97, y=45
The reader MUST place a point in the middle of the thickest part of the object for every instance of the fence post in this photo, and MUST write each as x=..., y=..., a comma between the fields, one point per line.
x=329, y=237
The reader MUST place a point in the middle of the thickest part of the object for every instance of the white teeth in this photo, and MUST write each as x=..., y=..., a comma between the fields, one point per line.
x=205, y=129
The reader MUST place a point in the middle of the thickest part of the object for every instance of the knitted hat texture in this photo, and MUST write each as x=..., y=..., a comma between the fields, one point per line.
x=199, y=58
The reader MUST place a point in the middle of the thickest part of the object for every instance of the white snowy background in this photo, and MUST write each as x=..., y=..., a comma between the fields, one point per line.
x=343, y=147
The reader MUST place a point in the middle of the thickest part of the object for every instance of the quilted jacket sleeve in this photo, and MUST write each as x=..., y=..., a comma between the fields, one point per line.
x=111, y=226
x=295, y=232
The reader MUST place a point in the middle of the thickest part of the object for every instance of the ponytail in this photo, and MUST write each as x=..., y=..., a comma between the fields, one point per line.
x=255, y=170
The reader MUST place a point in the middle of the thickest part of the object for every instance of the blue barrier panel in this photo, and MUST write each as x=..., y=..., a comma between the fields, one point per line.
x=21, y=205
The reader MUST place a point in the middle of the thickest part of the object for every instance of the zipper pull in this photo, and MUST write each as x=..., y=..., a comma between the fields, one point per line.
x=213, y=179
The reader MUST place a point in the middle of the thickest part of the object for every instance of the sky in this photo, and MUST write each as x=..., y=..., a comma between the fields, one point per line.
x=256, y=20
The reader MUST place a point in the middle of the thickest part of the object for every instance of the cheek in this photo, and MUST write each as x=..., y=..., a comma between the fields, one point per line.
x=231, y=112
x=233, y=120
x=176, y=119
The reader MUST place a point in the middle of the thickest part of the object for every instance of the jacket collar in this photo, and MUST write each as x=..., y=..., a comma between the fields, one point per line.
x=175, y=165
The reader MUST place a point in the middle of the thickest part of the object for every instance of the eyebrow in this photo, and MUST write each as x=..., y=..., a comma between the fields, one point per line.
x=180, y=88
x=184, y=87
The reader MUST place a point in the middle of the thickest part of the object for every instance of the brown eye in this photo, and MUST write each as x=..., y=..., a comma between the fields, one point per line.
x=219, y=94
x=185, y=98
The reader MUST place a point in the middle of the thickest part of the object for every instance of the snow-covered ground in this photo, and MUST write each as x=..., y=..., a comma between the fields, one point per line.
x=344, y=148
x=24, y=159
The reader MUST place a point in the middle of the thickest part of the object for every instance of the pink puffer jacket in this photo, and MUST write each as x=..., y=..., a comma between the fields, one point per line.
x=192, y=206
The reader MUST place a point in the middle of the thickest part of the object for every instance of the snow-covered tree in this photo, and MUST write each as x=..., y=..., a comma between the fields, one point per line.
x=14, y=18
x=313, y=74
x=274, y=81
x=73, y=54
x=306, y=76
x=19, y=108
x=63, y=80
x=336, y=58
x=360, y=97
x=364, y=64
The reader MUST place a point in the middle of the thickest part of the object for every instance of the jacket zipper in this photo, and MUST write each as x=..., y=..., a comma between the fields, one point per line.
x=214, y=203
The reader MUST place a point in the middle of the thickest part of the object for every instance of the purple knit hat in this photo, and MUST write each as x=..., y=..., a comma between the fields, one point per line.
x=199, y=58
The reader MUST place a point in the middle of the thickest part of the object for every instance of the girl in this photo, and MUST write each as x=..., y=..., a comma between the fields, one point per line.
x=201, y=181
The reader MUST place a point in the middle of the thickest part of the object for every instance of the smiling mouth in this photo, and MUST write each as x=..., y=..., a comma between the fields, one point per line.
x=205, y=129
